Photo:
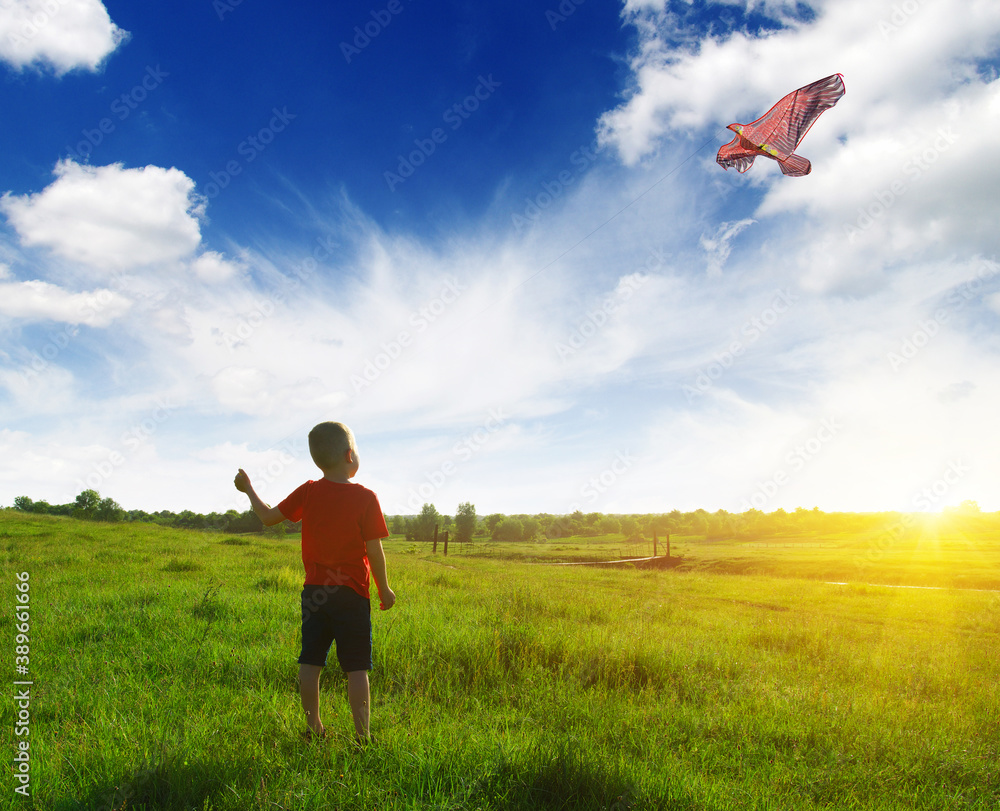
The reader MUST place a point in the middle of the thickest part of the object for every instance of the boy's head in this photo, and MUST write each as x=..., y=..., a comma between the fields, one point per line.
x=330, y=443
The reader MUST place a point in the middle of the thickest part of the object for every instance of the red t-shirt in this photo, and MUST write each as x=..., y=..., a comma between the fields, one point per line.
x=337, y=518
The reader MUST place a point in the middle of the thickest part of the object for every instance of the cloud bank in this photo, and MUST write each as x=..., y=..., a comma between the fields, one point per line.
x=61, y=35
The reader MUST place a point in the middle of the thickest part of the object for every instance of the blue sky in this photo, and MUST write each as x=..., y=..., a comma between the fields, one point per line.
x=494, y=240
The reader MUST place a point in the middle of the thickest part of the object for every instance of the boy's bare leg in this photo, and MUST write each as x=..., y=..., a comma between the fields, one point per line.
x=309, y=692
x=359, y=696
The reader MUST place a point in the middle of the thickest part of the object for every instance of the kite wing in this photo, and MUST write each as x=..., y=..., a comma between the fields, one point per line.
x=735, y=155
x=785, y=125
x=795, y=166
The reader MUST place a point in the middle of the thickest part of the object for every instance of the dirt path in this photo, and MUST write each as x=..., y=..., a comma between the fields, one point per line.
x=658, y=562
x=930, y=588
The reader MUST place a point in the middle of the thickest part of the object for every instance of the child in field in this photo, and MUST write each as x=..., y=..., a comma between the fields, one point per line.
x=342, y=531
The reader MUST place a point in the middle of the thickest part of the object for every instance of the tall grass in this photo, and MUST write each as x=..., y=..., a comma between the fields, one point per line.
x=164, y=667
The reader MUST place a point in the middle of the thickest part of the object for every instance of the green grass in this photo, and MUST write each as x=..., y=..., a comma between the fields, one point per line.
x=164, y=668
x=914, y=551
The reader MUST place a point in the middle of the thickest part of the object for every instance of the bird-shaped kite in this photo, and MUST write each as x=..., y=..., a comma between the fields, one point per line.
x=778, y=132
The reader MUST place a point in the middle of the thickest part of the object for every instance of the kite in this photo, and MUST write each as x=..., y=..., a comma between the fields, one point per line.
x=778, y=132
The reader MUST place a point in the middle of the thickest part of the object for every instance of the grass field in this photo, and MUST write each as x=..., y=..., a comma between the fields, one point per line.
x=164, y=671
x=908, y=550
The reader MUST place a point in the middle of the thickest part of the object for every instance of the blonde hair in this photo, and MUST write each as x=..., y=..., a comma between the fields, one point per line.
x=327, y=443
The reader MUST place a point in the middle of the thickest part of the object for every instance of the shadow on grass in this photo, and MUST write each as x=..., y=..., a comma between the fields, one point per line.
x=561, y=779
x=168, y=784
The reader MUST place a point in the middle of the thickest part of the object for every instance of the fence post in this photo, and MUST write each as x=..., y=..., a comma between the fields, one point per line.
x=435, y=549
x=654, y=543
x=446, y=542
x=668, y=546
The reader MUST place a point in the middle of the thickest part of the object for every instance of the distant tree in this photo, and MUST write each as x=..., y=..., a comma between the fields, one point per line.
x=492, y=521
x=675, y=521
x=559, y=527
x=699, y=522
x=465, y=522
x=609, y=525
x=245, y=522
x=749, y=523
x=24, y=504
x=216, y=522
x=109, y=510
x=425, y=523
x=397, y=526
x=86, y=504
x=53, y=509
x=563, y=526
x=190, y=520
x=530, y=528
x=719, y=524
x=630, y=526
x=544, y=522
x=509, y=530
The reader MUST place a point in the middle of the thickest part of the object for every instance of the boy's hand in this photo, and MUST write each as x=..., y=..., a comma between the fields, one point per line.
x=387, y=599
x=242, y=481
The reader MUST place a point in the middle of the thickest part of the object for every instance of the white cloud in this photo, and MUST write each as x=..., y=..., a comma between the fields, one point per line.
x=61, y=34
x=42, y=467
x=41, y=301
x=109, y=217
x=718, y=246
x=212, y=267
x=39, y=385
x=258, y=392
x=632, y=6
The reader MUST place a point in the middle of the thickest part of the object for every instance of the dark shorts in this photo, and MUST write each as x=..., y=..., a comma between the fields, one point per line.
x=336, y=614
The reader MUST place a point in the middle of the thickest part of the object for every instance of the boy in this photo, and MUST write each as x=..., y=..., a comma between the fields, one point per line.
x=342, y=531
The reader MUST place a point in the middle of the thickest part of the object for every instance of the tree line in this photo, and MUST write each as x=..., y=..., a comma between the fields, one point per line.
x=90, y=506
x=467, y=527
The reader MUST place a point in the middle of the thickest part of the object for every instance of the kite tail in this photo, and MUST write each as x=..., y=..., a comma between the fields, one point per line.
x=795, y=166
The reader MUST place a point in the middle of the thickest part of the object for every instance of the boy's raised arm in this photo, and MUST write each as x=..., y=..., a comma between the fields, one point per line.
x=376, y=559
x=269, y=516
